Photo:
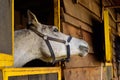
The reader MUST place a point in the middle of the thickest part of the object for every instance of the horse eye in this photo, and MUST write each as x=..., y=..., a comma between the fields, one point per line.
x=55, y=30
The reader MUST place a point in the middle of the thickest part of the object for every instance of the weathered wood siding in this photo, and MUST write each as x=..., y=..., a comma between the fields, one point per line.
x=5, y=27
x=91, y=73
x=83, y=12
x=36, y=77
x=80, y=19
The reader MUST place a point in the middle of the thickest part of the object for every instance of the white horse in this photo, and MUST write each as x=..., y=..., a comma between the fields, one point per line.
x=29, y=45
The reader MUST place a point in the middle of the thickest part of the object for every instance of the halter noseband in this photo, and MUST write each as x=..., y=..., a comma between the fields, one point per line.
x=47, y=38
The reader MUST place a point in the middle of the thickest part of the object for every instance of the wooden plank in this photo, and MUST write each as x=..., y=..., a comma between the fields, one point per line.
x=42, y=77
x=92, y=5
x=71, y=30
x=79, y=12
x=5, y=27
x=83, y=74
x=18, y=78
x=22, y=78
x=95, y=7
x=77, y=61
x=51, y=77
x=1, y=75
x=33, y=77
x=85, y=3
x=76, y=23
x=78, y=33
x=12, y=78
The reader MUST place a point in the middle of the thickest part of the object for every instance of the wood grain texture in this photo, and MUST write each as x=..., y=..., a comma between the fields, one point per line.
x=93, y=5
x=83, y=74
x=77, y=23
x=77, y=61
x=79, y=12
x=35, y=77
x=5, y=27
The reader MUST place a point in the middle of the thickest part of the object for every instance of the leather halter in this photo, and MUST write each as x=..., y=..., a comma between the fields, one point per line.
x=47, y=38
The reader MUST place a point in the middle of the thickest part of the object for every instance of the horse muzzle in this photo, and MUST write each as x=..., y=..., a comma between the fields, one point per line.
x=83, y=50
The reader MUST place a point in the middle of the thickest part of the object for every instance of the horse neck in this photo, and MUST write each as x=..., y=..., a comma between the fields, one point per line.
x=27, y=45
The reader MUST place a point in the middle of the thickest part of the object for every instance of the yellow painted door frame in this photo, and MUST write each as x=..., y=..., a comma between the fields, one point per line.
x=57, y=13
x=108, y=46
x=11, y=72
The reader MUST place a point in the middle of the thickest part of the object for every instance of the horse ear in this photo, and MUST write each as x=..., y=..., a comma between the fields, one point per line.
x=31, y=18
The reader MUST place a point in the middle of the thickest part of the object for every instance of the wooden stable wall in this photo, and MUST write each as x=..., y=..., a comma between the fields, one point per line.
x=77, y=19
x=81, y=19
x=36, y=77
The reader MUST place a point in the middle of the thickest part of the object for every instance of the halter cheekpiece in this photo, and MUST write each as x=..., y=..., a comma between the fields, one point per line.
x=47, y=38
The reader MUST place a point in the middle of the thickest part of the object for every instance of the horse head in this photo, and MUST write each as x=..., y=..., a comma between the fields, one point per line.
x=46, y=43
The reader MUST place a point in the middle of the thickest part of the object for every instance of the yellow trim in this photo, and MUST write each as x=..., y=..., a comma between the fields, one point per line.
x=6, y=60
x=108, y=50
x=30, y=71
x=57, y=13
x=108, y=64
x=12, y=27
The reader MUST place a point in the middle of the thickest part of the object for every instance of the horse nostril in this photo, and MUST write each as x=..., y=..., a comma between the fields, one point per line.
x=83, y=50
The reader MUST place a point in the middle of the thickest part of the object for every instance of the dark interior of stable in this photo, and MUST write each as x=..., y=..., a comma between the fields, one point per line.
x=44, y=11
